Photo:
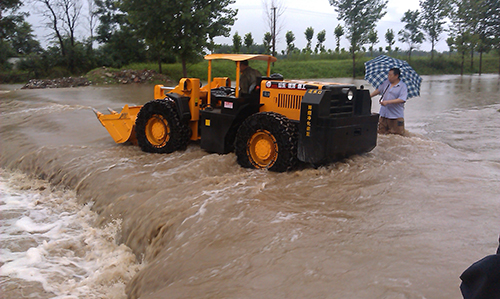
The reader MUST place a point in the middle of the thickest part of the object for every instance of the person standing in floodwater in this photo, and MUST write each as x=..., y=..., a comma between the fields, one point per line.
x=392, y=103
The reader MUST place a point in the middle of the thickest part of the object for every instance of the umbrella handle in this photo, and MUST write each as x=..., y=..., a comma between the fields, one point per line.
x=383, y=94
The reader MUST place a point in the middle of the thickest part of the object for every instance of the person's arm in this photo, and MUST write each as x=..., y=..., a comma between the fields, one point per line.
x=374, y=93
x=389, y=102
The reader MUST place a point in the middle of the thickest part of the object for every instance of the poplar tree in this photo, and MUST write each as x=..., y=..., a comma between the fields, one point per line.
x=321, y=36
x=309, y=33
x=434, y=14
x=290, y=38
x=248, y=42
x=493, y=29
x=411, y=34
x=359, y=16
x=460, y=32
x=339, y=31
x=389, y=38
x=267, y=42
x=373, y=38
x=236, y=42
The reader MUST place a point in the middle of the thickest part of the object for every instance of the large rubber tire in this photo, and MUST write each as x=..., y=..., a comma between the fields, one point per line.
x=158, y=128
x=267, y=140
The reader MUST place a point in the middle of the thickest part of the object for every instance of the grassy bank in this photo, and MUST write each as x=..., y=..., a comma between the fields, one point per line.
x=300, y=68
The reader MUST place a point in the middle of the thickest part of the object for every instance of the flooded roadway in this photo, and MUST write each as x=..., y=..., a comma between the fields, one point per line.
x=402, y=221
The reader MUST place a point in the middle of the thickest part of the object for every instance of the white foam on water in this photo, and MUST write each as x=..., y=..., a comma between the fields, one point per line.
x=47, y=237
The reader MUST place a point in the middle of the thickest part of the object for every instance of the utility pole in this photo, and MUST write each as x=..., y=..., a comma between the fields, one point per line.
x=274, y=30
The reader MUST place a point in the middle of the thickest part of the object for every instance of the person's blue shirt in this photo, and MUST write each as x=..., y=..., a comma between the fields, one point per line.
x=398, y=91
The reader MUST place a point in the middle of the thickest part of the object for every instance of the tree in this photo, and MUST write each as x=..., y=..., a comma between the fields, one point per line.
x=236, y=42
x=339, y=31
x=290, y=38
x=120, y=45
x=273, y=12
x=9, y=20
x=321, y=39
x=373, y=39
x=434, y=14
x=359, y=16
x=62, y=17
x=450, y=42
x=389, y=38
x=493, y=25
x=459, y=31
x=484, y=14
x=248, y=41
x=91, y=18
x=309, y=33
x=180, y=28
x=411, y=34
x=23, y=41
x=267, y=42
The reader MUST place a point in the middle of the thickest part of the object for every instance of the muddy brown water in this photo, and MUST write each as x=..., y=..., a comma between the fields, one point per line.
x=403, y=221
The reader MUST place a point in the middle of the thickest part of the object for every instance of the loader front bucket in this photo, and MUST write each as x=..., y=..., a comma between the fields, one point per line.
x=121, y=126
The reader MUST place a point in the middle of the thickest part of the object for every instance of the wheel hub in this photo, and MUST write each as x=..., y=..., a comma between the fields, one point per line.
x=263, y=149
x=157, y=130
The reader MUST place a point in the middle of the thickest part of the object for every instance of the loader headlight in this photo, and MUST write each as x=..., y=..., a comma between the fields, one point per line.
x=348, y=92
x=350, y=95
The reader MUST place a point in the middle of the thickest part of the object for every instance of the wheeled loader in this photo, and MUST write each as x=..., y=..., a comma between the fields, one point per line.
x=278, y=123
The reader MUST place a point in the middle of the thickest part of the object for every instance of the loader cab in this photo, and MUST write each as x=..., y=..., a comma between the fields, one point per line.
x=226, y=106
x=237, y=58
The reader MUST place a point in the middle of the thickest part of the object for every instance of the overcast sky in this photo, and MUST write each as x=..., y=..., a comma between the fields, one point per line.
x=318, y=14
x=297, y=16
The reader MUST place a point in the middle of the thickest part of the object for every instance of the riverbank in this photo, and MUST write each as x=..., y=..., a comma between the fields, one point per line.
x=293, y=67
x=100, y=76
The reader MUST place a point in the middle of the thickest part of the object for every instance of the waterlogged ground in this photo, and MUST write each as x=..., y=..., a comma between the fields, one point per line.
x=107, y=220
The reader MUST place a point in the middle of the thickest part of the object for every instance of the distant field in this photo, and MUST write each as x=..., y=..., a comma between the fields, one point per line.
x=293, y=68
x=297, y=66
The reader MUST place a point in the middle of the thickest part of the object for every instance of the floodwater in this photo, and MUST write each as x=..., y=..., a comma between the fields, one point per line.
x=83, y=217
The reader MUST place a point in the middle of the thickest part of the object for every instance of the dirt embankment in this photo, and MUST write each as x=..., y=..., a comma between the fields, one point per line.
x=100, y=76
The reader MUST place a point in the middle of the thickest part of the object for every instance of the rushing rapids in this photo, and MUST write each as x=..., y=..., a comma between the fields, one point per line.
x=401, y=221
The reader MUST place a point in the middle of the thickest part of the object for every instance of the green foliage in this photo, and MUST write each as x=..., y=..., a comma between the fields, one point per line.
x=321, y=39
x=411, y=34
x=359, y=16
x=339, y=31
x=183, y=28
x=267, y=40
x=6, y=51
x=389, y=38
x=373, y=39
x=236, y=43
x=119, y=44
x=290, y=38
x=9, y=18
x=434, y=13
x=309, y=33
x=248, y=41
x=9, y=23
x=122, y=48
x=23, y=41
